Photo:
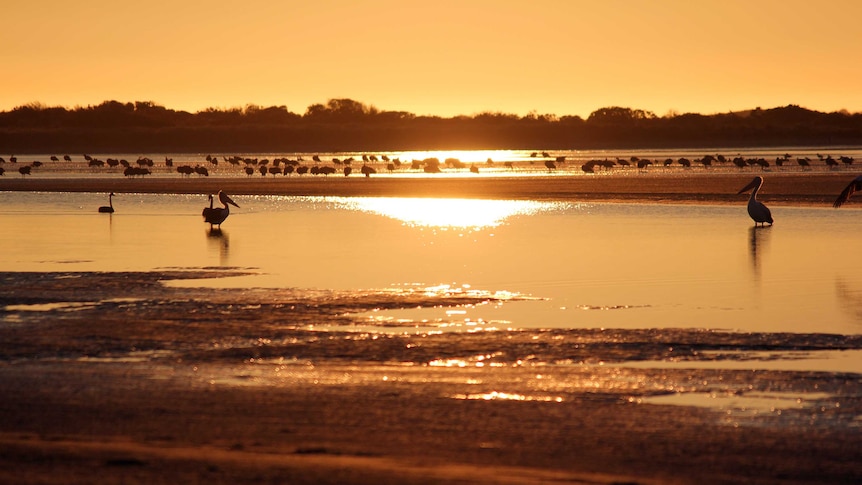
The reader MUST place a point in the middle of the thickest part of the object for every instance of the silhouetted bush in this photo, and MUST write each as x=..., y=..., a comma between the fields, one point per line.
x=348, y=125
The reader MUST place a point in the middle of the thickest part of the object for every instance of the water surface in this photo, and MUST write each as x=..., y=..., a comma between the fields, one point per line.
x=587, y=265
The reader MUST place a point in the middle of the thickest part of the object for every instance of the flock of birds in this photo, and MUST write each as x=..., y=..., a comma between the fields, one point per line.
x=288, y=166
x=215, y=216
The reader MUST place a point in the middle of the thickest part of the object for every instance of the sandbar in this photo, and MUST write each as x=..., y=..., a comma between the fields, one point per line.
x=719, y=186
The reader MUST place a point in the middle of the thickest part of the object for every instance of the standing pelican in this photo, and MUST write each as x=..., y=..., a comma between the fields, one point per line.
x=855, y=185
x=110, y=207
x=759, y=212
x=217, y=215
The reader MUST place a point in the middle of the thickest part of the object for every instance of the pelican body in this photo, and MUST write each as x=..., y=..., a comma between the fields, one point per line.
x=758, y=212
x=217, y=215
x=845, y=194
x=108, y=209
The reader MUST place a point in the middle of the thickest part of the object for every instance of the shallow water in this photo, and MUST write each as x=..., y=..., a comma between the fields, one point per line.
x=595, y=265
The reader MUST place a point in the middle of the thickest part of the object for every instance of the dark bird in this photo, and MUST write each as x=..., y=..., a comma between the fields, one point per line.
x=851, y=188
x=758, y=212
x=217, y=215
x=367, y=170
x=109, y=209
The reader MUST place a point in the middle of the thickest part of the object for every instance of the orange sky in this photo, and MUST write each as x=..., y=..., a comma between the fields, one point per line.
x=446, y=57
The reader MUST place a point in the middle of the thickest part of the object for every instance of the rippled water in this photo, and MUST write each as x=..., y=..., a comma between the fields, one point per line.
x=596, y=265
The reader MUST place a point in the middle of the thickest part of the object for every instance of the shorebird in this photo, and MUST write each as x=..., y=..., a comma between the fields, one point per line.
x=217, y=215
x=109, y=209
x=845, y=194
x=759, y=212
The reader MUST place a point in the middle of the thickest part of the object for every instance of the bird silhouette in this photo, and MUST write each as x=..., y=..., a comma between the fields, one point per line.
x=108, y=209
x=217, y=215
x=756, y=209
x=845, y=194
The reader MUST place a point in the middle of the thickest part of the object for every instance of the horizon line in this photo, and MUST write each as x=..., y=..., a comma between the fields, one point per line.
x=669, y=113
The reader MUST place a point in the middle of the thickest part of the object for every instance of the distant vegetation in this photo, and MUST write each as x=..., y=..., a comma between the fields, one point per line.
x=348, y=125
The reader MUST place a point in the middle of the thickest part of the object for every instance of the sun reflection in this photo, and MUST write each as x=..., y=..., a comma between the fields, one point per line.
x=496, y=395
x=466, y=156
x=446, y=213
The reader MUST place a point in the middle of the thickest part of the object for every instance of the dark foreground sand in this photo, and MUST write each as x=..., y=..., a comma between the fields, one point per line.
x=170, y=385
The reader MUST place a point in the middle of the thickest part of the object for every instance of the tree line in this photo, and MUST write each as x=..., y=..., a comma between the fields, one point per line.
x=349, y=125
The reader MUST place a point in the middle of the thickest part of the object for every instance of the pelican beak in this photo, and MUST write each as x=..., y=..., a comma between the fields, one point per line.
x=230, y=201
x=747, y=187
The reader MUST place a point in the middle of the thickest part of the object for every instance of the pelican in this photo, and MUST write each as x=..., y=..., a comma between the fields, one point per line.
x=217, y=215
x=110, y=207
x=759, y=212
x=855, y=185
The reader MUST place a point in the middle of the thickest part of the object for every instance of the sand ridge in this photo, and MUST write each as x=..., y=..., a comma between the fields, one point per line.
x=805, y=188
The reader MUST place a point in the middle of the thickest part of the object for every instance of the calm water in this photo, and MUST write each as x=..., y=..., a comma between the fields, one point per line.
x=588, y=265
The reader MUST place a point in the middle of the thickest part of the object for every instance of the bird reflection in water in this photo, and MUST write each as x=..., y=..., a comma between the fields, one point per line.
x=758, y=243
x=219, y=242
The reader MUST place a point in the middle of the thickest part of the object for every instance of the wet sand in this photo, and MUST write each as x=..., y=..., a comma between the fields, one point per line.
x=817, y=188
x=133, y=381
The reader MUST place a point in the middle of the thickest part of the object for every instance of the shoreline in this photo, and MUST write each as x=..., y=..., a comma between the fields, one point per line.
x=784, y=188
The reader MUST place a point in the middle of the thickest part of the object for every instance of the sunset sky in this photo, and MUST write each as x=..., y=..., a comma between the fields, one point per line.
x=446, y=57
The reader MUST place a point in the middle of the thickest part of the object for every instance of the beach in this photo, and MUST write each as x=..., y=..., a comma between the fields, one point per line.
x=142, y=386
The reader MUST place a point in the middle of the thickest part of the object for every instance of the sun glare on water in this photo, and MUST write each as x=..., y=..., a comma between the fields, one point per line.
x=447, y=213
x=466, y=156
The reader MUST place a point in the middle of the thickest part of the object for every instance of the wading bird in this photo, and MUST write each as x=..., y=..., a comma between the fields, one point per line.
x=759, y=212
x=109, y=209
x=852, y=187
x=217, y=215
